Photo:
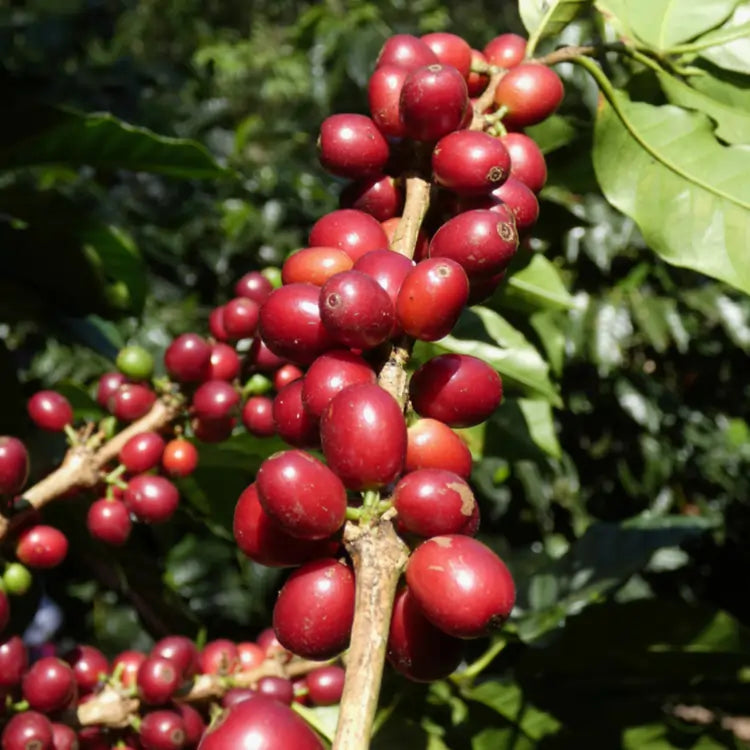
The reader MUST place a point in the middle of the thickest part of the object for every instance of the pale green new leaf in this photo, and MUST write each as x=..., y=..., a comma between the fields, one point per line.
x=538, y=285
x=544, y=18
x=729, y=46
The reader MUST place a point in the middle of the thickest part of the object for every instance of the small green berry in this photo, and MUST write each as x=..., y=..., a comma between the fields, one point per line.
x=135, y=362
x=17, y=579
x=273, y=274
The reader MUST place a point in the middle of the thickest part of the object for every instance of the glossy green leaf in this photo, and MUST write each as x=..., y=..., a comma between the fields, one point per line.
x=540, y=420
x=729, y=46
x=537, y=285
x=553, y=133
x=543, y=18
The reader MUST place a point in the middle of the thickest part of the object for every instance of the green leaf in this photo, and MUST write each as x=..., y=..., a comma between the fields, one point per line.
x=541, y=424
x=48, y=135
x=537, y=285
x=553, y=133
x=543, y=18
x=729, y=46
x=676, y=169
x=84, y=407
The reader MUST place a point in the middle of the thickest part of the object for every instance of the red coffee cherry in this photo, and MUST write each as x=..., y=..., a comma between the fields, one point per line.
x=278, y=688
x=384, y=95
x=531, y=93
x=286, y=374
x=301, y=494
x=188, y=358
x=450, y=50
x=4, y=610
x=14, y=465
x=294, y=424
x=126, y=664
x=380, y=196
x=142, y=452
x=107, y=386
x=363, y=435
x=89, y=665
x=431, y=298
x=251, y=655
x=290, y=323
x=180, y=458
x=481, y=241
x=162, y=730
x=477, y=82
x=50, y=410
x=313, y=615
x=265, y=542
x=433, y=102
x=257, y=416
x=152, y=499
x=352, y=146
x=389, y=269
x=193, y=723
x=505, y=51
x=131, y=401
x=461, y=586
x=416, y=648
x=268, y=641
x=355, y=232
x=314, y=265
x=261, y=723
x=49, y=685
x=28, y=730
x=215, y=399
x=13, y=661
x=63, y=737
x=213, y=430
x=326, y=685
x=330, y=374
x=521, y=201
x=224, y=363
x=41, y=547
x=158, y=680
x=219, y=657
x=356, y=310
x=457, y=389
x=179, y=650
x=527, y=162
x=216, y=324
x=233, y=696
x=241, y=318
x=433, y=445
x=255, y=286
x=431, y=502
x=470, y=162
x=406, y=51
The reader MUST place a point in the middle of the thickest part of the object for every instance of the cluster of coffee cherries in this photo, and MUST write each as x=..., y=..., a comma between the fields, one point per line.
x=177, y=688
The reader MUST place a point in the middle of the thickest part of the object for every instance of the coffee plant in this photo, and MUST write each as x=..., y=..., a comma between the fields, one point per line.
x=438, y=440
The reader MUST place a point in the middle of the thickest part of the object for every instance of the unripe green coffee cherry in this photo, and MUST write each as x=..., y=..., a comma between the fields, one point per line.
x=17, y=579
x=135, y=362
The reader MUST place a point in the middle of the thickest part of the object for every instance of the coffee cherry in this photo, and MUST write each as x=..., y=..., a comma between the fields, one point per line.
x=433, y=102
x=294, y=424
x=278, y=688
x=431, y=298
x=41, y=547
x=481, y=241
x=379, y=196
x=261, y=724
x=470, y=162
x=363, y=435
x=158, y=680
x=188, y=358
x=107, y=387
x=384, y=95
x=215, y=399
x=241, y=318
x=505, y=51
x=16, y=579
x=450, y=50
x=219, y=657
x=50, y=410
x=482, y=289
x=355, y=232
x=180, y=458
x=224, y=363
x=216, y=324
x=406, y=51
x=251, y=655
x=352, y=146
x=416, y=648
x=233, y=696
x=461, y=585
x=301, y=494
x=162, y=730
x=255, y=286
x=126, y=664
x=152, y=499
x=49, y=684
x=433, y=445
x=28, y=730
x=63, y=737
x=356, y=310
x=457, y=389
x=14, y=465
x=98, y=738
x=290, y=323
x=193, y=723
x=521, y=201
x=313, y=615
x=286, y=374
x=330, y=374
x=476, y=82
x=257, y=416
x=213, y=430
x=135, y=362
x=314, y=265
x=131, y=401
x=4, y=610
x=13, y=661
x=181, y=651
x=526, y=160
x=268, y=641
x=530, y=92
x=142, y=452
x=325, y=685
x=89, y=665
x=389, y=269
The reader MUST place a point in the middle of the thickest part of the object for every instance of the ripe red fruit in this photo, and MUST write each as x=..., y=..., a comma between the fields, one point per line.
x=416, y=648
x=126, y=664
x=240, y=318
x=406, y=51
x=13, y=661
x=384, y=94
x=527, y=162
x=520, y=200
x=352, y=146
x=290, y=323
x=505, y=51
x=477, y=82
x=213, y=430
x=481, y=241
x=461, y=585
x=457, y=389
x=131, y=401
x=294, y=424
x=325, y=685
x=355, y=232
x=431, y=444
x=49, y=684
x=215, y=399
x=28, y=730
x=363, y=435
x=179, y=650
x=301, y=494
x=107, y=386
x=193, y=723
x=268, y=641
x=158, y=680
x=255, y=286
x=4, y=610
x=278, y=688
x=233, y=696
x=180, y=458
x=257, y=416
x=265, y=542
x=14, y=465
x=151, y=498
x=41, y=547
x=431, y=298
x=50, y=410
x=219, y=657
x=89, y=664
x=379, y=196
x=450, y=50
x=216, y=324
x=162, y=730
x=470, y=162
x=251, y=655
x=433, y=102
x=389, y=269
x=531, y=92
x=313, y=615
x=330, y=374
x=224, y=363
x=63, y=737
x=314, y=265
x=188, y=358
x=356, y=310
x=142, y=452
x=286, y=374
x=261, y=724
